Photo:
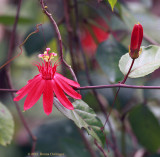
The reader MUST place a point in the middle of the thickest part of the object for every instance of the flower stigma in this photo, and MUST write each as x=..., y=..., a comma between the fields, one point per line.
x=46, y=56
x=46, y=70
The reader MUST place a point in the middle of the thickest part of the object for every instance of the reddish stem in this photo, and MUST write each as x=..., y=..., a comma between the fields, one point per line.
x=59, y=38
x=10, y=53
x=122, y=82
x=125, y=78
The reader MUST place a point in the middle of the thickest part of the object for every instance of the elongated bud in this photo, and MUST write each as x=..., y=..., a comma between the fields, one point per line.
x=136, y=40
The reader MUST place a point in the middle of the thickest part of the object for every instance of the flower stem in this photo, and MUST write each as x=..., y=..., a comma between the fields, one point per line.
x=125, y=78
x=122, y=82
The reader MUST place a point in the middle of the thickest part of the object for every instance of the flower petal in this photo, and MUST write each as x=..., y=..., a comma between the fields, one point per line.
x=68, y=89
x=34, y=95
x=70, y=82
x=26, y=89
x=30, y=83
x=48, y=97
x=62, y=97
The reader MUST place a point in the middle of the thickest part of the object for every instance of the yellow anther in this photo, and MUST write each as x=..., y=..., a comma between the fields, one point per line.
x=46, y=56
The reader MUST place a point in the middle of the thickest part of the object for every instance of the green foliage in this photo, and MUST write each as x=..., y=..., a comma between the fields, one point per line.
x=9, y=20
x=108, y=55
x=112, y=3
x=84, y=117
x=6, y=126
x=146, y=127
x=148, y=61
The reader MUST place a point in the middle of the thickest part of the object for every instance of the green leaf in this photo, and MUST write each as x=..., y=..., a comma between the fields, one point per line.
x=146, y=127
x=38, y=41
x=148, y=61
x=9, y=20
x=84, y=117
x=112, y=3
x=108, y=55
x=6, y=126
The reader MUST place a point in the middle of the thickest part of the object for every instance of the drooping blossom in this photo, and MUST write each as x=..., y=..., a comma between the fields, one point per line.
x=48, y=83
x=136, y=40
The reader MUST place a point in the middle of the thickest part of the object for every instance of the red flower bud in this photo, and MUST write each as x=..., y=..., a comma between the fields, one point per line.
x=136, y=40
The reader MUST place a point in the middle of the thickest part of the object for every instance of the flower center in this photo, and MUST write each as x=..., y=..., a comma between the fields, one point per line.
x=46, y=56
x=46, y=69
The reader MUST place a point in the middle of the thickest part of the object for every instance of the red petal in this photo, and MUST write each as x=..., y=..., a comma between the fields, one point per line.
x=136, y=37
x=140, y=35
x=68, y=89
x=48, y=97
x=34, y=95
x=26, y=89
x=35, y=77
x=70, y=82
x=62, y=97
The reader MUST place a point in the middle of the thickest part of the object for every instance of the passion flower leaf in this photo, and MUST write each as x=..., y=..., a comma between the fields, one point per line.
x=9, y=20
x=84, y=117
x=148, y=61
x=146, y=127
x=6, y=126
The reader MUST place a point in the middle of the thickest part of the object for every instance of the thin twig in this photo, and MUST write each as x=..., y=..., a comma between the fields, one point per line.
x=102, y=150
x=10, y=53
x=99, y=87
x=150, y=40
x=102, y=107
x=13, y=34
x=87, y=144
x=125, y=78
x=34, y=139
x=44, y=8
x=122, y=82
x=70, y=32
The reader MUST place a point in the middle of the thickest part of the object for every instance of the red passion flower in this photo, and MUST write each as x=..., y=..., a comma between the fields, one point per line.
x=49, y=83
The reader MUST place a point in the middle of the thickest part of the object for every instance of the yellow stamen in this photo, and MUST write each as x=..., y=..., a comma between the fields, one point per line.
x=47, y=57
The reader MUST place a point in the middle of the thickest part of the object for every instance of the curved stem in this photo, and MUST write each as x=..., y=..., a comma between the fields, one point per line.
x=13, y=34
x=59, y=38
x=122, y=82
x=125, y=78
x=10, y=53
x=102, y=150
